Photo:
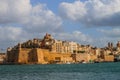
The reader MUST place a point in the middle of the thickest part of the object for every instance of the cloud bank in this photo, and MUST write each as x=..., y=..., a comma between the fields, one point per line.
x=20, y=20
x=92, y=12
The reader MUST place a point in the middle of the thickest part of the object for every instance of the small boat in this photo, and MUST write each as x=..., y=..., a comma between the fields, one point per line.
x=84, y=62
x=68, y=63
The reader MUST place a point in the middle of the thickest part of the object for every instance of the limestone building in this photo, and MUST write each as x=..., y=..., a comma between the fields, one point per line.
x=39, y=51
x=49, y=50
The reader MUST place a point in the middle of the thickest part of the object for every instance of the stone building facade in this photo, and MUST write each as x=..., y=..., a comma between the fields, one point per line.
x=49, y=50
x=36, y=56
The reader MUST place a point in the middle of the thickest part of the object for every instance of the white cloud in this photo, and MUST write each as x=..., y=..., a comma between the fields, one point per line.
x=108, y=35
x=11, y=33
x=9, y=36
x=34, y=18
x=20, y=21
x=42, y=19
x=113, y=33
x=12, y=11
x=73, y=11
x=92, y=12
x=76, y=36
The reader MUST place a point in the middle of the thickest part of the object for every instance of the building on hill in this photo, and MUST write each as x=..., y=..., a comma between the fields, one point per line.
x=39, y=51
x=36, y=56
x=49, y=50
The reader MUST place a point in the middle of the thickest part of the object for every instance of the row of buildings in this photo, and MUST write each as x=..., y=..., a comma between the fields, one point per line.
x=49, y=50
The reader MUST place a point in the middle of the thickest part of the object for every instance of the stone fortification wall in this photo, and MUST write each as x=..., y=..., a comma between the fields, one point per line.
x=42, y=56
x=45, y=56
x=12, y=56
x=109, y=58
x=84, y=57
x=23, y=55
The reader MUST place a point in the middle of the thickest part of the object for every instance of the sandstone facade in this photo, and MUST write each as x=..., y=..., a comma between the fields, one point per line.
x=49, y=50
x=37, y=56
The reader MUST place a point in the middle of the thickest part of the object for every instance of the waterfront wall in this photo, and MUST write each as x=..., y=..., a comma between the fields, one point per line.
x=44, y=56
x=84, y=57
x=109, y=58
x=37, y=56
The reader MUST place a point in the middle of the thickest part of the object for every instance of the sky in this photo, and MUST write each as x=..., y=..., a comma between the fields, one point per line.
x=94, y=22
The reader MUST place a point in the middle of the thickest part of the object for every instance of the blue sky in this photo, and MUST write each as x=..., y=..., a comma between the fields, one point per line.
x=94, y=22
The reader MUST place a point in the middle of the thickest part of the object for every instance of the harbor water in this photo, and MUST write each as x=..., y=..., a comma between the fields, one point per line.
x=95, y=71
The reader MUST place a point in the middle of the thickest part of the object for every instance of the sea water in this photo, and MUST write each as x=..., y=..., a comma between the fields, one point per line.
x=95, y=71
